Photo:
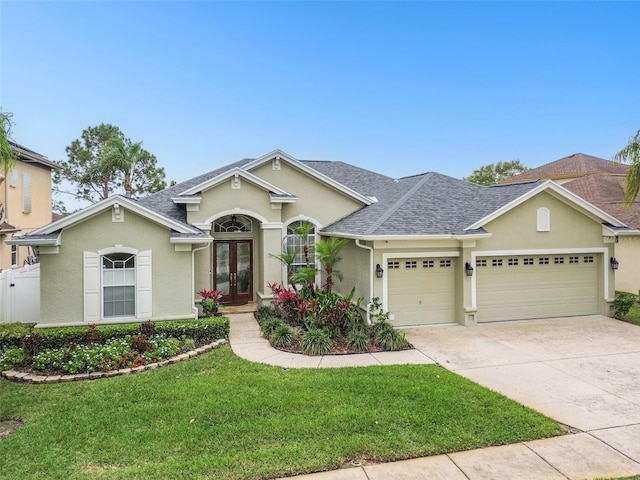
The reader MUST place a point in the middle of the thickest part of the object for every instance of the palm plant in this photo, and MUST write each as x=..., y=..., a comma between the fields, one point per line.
x=631, y=154
x=288, y=258
x=8, y=156
x=328, y=254
x=124, y=156
x=304, y=230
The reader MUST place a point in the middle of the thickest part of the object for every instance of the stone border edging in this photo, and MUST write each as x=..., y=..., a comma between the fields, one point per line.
x=38, y=379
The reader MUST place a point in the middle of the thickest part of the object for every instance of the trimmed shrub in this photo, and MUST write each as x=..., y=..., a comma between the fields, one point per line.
x=316, y=341
x=35, y=341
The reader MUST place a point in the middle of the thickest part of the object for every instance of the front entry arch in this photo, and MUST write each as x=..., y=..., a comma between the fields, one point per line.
x=233, y=270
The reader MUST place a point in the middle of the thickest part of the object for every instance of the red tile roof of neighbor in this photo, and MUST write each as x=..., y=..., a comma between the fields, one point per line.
x=599, y=181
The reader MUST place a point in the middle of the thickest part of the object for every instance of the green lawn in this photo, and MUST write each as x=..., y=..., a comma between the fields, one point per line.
x=220, y=417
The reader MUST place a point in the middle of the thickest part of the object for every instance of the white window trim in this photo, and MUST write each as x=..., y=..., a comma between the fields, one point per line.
x=285, y=227
x=93, y=288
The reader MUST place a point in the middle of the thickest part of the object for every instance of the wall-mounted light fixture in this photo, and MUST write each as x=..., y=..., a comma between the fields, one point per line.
x=468, y=269
x=379, y=271
x=614, y=263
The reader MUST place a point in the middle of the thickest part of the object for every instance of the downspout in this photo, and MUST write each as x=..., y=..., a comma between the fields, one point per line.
x=366, y=247
x=193, y=275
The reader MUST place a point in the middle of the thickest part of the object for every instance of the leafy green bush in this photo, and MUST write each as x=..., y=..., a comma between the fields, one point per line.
x=270, y=325
x=358, y=341
x=622, y=304
x=114, y=354
x=316, y=341
x=10, y=357
x=263, y=312
x=35, y=341
x=282, y=337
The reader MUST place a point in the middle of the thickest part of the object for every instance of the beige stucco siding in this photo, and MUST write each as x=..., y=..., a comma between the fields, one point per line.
x=315, y=200
x=517, y=229
x=62, y=273
x=627, y=252
x=26, y=222
x=355, y=272
x=220, y=198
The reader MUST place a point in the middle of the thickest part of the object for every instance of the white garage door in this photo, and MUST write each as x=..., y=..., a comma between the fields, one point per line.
x=421, y=291
x=537, y=286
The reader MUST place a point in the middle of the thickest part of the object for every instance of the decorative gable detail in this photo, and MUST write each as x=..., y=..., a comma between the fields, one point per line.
x=275, y=163
x=235, y=182
x=543, y=219
x=117, y=214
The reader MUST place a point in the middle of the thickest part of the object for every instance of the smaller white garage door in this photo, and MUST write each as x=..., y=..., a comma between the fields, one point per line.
x=421, y=291
x=537, y=286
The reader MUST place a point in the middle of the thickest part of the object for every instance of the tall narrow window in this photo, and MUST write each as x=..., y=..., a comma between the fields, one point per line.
x=295, y=243
x=14, y=255
x=119, y=285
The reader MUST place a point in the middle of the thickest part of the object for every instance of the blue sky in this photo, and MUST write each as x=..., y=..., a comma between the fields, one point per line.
x=397, y=87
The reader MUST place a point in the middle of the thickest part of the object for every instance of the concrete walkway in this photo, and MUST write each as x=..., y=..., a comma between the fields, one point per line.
x=583, y=372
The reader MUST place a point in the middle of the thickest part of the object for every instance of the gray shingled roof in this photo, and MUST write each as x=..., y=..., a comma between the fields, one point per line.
x=426, y=204
x=429, y=204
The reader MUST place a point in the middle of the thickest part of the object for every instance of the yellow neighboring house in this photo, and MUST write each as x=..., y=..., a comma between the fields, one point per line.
x=25, y=204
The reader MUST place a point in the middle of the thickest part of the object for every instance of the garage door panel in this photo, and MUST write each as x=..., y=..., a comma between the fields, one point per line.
x=421, y=291
x=566, y=285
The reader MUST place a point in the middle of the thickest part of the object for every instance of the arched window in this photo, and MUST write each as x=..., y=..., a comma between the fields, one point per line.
x=119, y=285
x=232, y=224
x=295, y=241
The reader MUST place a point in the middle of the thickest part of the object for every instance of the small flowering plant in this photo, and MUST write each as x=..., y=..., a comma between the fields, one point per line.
x=210, y=301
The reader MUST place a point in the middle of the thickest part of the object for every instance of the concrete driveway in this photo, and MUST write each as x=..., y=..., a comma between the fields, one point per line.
x=581, y=371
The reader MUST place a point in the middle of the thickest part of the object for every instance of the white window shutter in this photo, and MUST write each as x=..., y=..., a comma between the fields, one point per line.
x=91, y=287
x=26, y=193
x=13, y=178
x=143, y=284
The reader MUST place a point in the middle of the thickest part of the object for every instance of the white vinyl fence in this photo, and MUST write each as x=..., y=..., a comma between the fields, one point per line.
x=20, y=294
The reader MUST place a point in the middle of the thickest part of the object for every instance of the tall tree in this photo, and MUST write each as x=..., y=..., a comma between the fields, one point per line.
x=8, y=155
x=137, y=166
x=494, y=172
x=631, y=154
x=96, y=172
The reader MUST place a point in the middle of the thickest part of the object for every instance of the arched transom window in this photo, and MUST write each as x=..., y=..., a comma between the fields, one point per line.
x=232, y=224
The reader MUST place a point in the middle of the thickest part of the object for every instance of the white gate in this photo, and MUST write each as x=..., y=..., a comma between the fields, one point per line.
x=20, y=294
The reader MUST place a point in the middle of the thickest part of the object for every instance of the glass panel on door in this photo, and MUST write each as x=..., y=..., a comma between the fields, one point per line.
x=243, y=279
x=222, y=268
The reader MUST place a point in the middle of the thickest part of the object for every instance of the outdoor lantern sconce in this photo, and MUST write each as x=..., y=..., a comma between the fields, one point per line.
x=614, y=263
x=468, y=269
x=379, y=271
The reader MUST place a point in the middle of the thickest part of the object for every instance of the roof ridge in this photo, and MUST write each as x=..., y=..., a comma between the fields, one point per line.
x=394, y=208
